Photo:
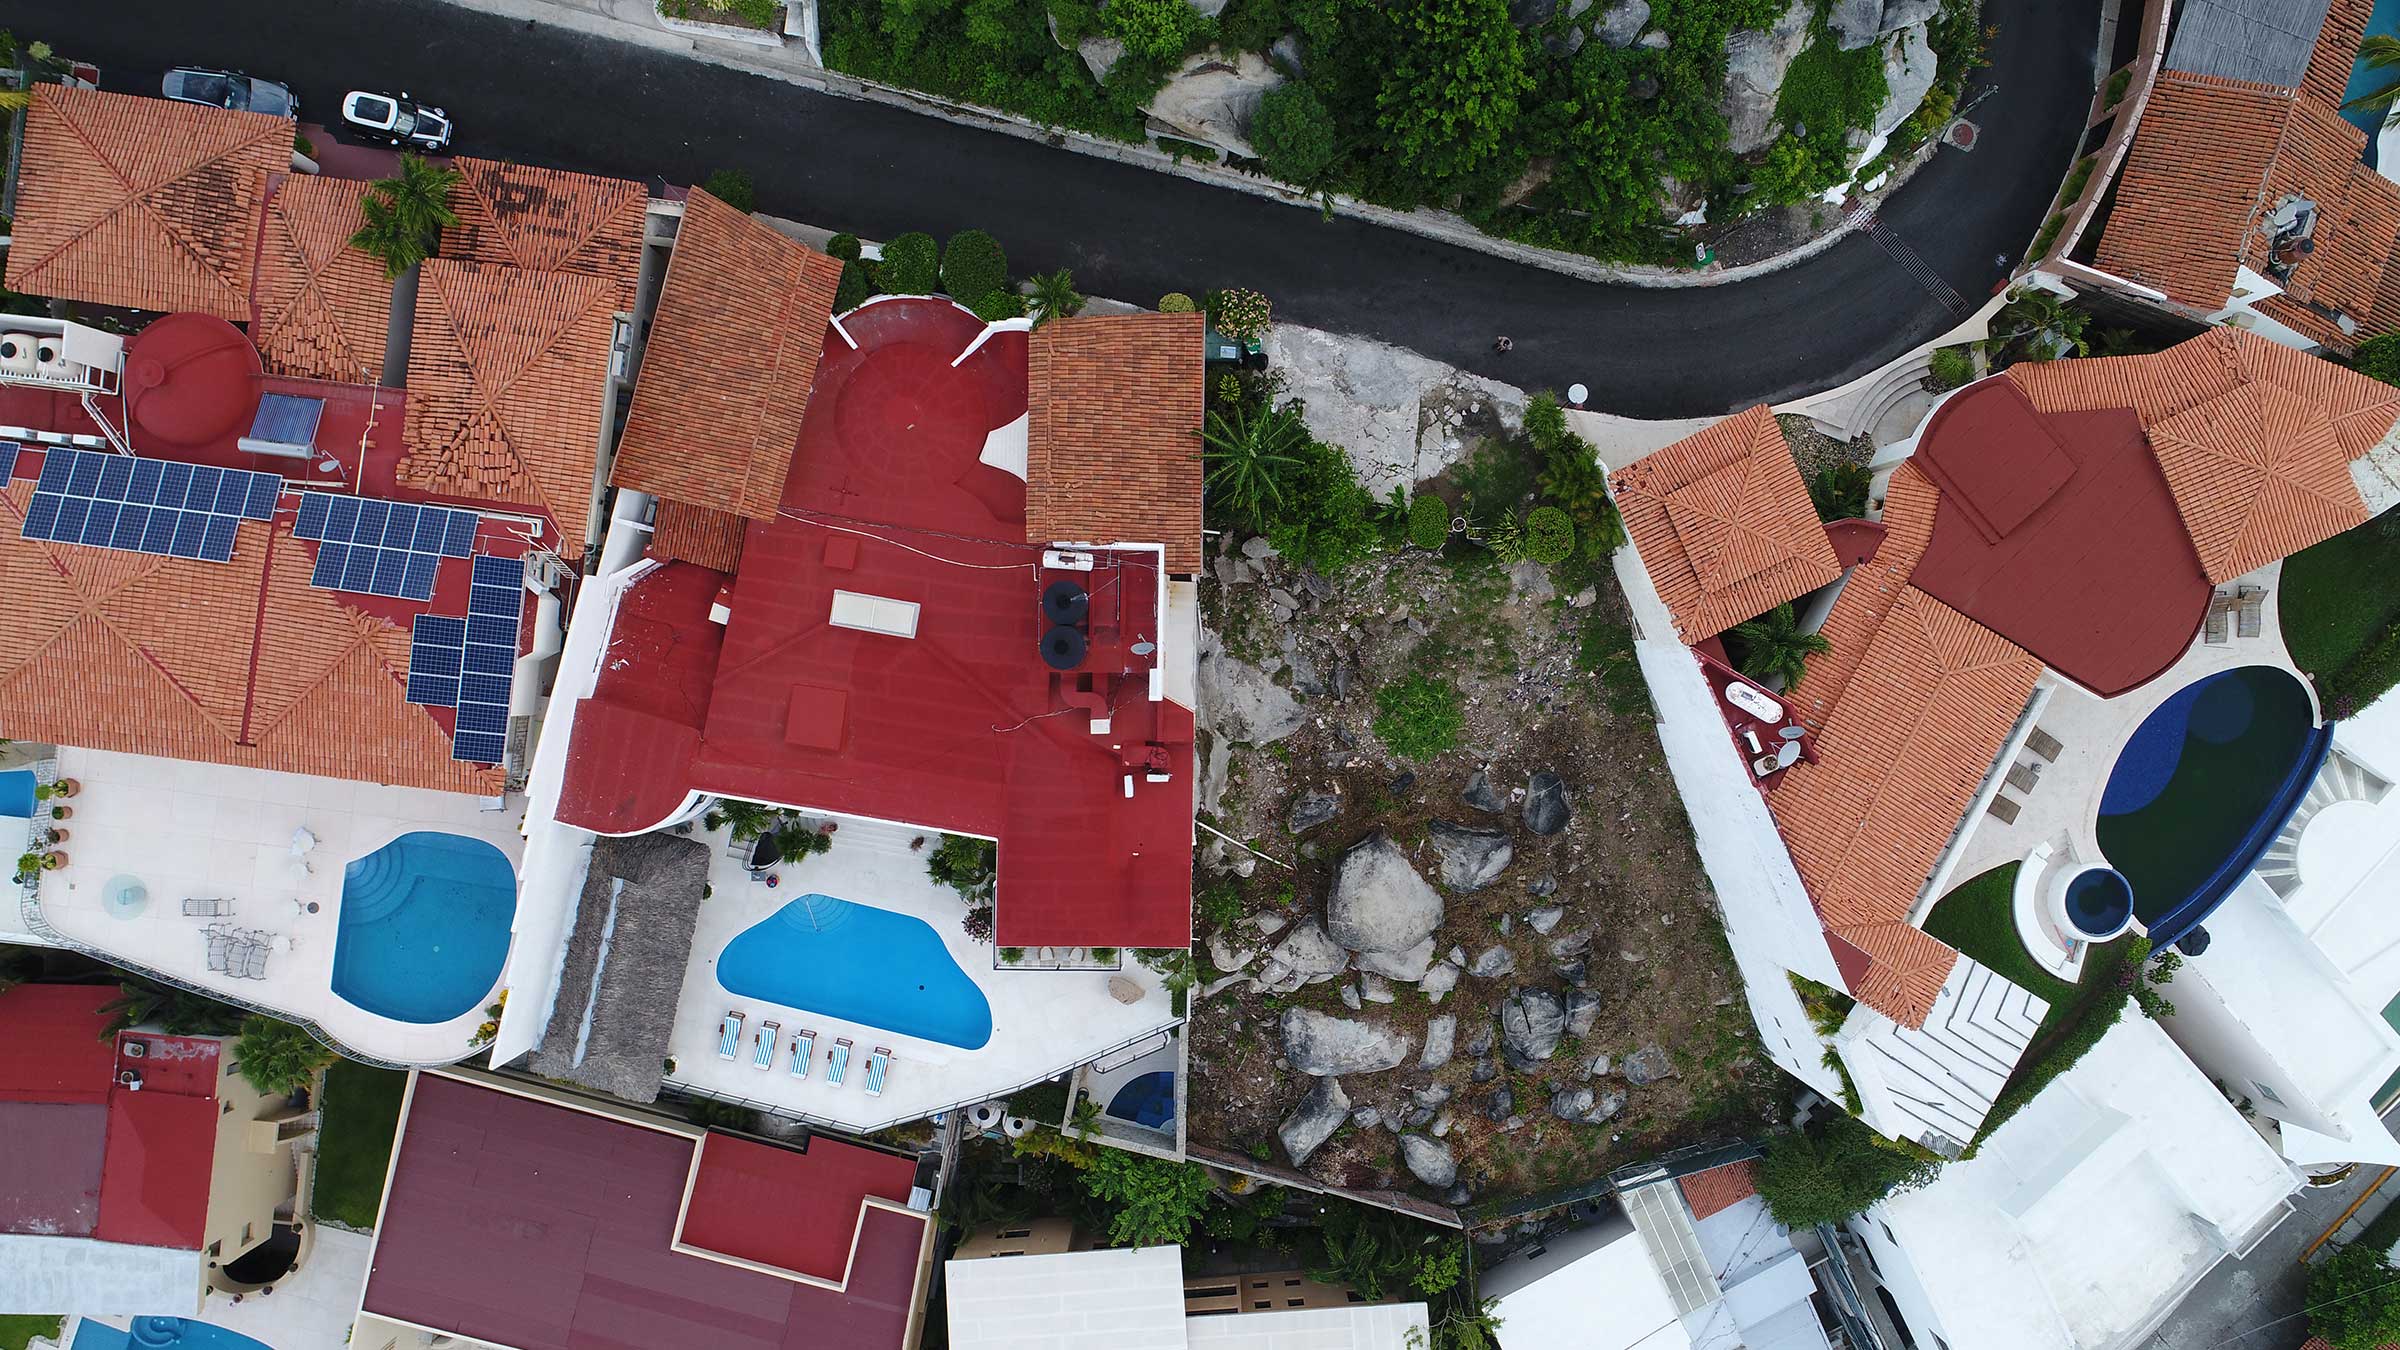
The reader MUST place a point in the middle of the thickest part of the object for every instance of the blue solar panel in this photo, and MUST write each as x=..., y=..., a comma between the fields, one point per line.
x=490, y=718
x=434, y=659
x=131, y=521
x=41, y=518
x=459, y=540
x=391, y=571
x=331, y=559
x=476, y=748
x=159, y=535
x=265, y=490
x=116, y=474
x=371, y=517
x=341, y=519
x=83, y=472
x=219, y=547
x=191, y=534
x=311, y=524
x=287, y=419
x=433, y=523
x=100, y=527
x=174, y=480
x=488, y=628
x=495, y=601
x=484, y=689
x=71, y=511
x=491, y=570
x=433, y=691
x=360, y=574
x=441, y=629
x=146, y=473
x=399, y=528
x=423, y=568
x=485, y=658
x=8, y=461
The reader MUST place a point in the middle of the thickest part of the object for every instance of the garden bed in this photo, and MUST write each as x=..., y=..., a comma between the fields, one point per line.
x=740, y=17
x=360, y=1109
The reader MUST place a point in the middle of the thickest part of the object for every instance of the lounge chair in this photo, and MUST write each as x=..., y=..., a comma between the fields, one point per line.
x=2250, y=612
x=253, y=963
x=2003, y=809
x=878, y=1064
x=220, y=952
x=210, y=907
x=837, y=1062
x=2023, y=776
x=2044, y=744
x=2217, y=629
x=770, y=1039
x=804, y=1050
x=729, y=1037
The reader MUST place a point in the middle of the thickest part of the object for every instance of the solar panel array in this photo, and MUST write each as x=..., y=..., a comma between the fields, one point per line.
x=377, y=547
x=8, y=461
x=469, y=663
x=105, y=500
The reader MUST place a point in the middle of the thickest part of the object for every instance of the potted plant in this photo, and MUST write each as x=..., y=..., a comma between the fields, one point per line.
x=28, y=865
x=57, y=834
x=62, y=813
x=64, y=787
x=54, y=860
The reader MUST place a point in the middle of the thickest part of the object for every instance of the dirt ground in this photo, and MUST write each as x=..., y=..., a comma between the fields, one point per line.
x=1624, y=870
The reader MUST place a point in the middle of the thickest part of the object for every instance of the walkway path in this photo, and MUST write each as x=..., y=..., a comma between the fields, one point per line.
x=551, y=95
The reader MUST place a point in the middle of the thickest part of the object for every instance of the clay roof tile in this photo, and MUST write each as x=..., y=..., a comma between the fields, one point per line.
x=1113, y=450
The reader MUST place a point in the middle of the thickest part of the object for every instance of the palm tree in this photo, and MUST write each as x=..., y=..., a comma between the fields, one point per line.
x=405, y=215
x=1054, y=297
x=2036, y=325
x=2380, y=53
x=1247, y=455
x=1775, y=650
x=176, y=1011
x=748, y=819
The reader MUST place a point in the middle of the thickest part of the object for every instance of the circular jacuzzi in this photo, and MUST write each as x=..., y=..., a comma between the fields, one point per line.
x=2091, y=903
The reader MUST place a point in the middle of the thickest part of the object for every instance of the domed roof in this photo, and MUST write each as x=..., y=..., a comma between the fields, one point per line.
x=190, y=380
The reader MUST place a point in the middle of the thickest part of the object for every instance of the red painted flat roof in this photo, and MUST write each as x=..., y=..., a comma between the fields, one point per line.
x=962, y=727
x=795, y=1212
x=86, y=1156
x=547, y=1228
x=2096, y=576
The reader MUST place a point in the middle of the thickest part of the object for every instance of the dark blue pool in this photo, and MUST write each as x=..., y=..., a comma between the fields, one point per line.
x=2201, y=789
x=2099, y=902
x=425, y=922
x=1148, y=1100
x=859, y=963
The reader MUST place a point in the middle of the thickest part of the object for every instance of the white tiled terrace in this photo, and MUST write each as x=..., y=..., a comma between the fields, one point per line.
x=188, y=829
x=1043, y=1021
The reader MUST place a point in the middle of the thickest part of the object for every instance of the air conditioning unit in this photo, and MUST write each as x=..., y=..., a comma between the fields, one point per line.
x=136, y=1049
x=19, y=353
x=51, y=363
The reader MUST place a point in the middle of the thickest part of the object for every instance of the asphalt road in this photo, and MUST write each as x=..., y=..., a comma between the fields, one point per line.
x=543, y=95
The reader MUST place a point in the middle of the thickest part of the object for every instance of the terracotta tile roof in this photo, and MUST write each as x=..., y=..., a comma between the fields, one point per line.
x=1724, y=524
x=695, y=534
x=1718, y=1189
x=2336, y=51
x=1909, y=506
x=1113, y=447
x=548, y=220
x=727, y=369
x=507, y=373
x=321, y=308
x=141, y=202
x=1901, y=756
x=239, y=663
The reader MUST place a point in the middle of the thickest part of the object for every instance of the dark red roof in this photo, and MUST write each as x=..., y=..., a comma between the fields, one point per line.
x=2058, y=532
x=959, y=728
x=1719, y=1188
x=796, y=1212
x=542, y=1227
x=87, y=1157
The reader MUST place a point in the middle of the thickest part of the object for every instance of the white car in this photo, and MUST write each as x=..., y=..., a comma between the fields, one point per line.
x=396, y=119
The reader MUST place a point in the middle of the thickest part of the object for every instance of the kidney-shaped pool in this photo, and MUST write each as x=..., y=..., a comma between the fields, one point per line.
x=860, y=963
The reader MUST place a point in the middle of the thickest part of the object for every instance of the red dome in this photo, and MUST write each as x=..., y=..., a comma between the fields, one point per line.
x=191, y=380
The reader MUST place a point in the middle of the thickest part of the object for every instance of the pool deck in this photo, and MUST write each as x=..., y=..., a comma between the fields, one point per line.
x=191, y=829
x=1043, y=1021
x=2063, y=808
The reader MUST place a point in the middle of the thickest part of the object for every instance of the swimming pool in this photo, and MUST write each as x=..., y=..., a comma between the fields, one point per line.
x=1147, y=1100
x=425, y=924
x=860, y=963
x=2201, y=788
x=16, y=792
x=159, y=1331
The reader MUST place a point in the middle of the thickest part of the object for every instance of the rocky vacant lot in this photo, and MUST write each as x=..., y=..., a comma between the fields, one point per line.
x=1475, y=976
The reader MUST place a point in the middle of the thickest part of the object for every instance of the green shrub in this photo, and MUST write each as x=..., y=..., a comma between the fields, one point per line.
x=1155, y=30
x=2375, y=669
x=1246, y=458
x=2354, y=1299
x=1043, y=1102
x=1549, y=535
x=1176, y=302
x=1572, y=480
x=1294, y=134
x=2077, y=177
x=1428, y=522
x=1833, y=1171
x=1419, y=716
x=1453, y=74
x=911, y=265
x=277, y=1057
x=973, y=266
x=844, y=247
x=1326, y=521
x=966, y=865
x=2047, y=235
x=1545, y=422
x=857, y=287
x=1219, y=903
x=2117, y=85
x=993, y=306
x=1153, y=1202
x=732, y=187
x=303, y=145
x=2379, y=358
x=1839, y=490
x=1949, y=367
x=1180, y=150
x=1239, y=313
x=1829, y=92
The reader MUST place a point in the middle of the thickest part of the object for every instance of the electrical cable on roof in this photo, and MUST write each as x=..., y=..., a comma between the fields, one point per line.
x=1034, y=567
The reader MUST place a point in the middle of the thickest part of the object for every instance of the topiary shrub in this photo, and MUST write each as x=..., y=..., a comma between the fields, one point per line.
x=1428, y=522
x=911, y=265
x=856, y=288
x=732, y=187
x=844, y=247
x=1176, y=302
x=1549, y=535
x=1294, y=134
x=993, y=306
x=973, y=266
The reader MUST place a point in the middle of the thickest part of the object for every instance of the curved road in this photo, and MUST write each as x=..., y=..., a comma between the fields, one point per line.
x=545, y=95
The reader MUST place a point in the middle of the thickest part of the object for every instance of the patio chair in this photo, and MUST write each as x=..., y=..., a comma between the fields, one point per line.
x=220, y=952
x=2250, y=612
x=2044, y=744
x=254, y=962
x=2216, y=630
x=2023, y=776
x=878, y=1064
x=207, y=907
x=804, y=1050
x=770, y=1039
x=729, y=1036
x=2003, y=809
x=837, y=1062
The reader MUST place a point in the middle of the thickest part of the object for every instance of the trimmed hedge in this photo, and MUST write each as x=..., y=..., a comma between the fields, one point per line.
x=844, y=247
x=1549, y=535
x=1176, y=302
x=911, y=265
x=973, y=266
x=856, y=288
x=732, y=187
x=993, y=306
x=1428, y=522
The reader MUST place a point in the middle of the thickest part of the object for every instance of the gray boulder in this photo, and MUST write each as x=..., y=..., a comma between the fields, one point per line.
x=1546, y=803
x=1480, y=1044
x=1623, y=22
x=1212, y=97
x=1311, y=809
x=1439, y=981
x=1210, y=8
x=1481, y=795
x=1306, y=954
x=1238, y=702
x=1499, y=1104
x=1374, y=988
x=1319, y=1114
x=1321, y=1044
x=1531, y=1023
x=1571, y=1103
x=1544, y=919
x=1287, y=51
x=1583, y=1010
x=1100, y=55
x=1471, y=858
x=1756, y=60
x=1413, y=964
x=1855, y=23
x=1441, y=1037
x=1378, y=902
x=1648, y=1065
x=1908, y=71
x=1493, y=962
x=1428, y=1160
x=1609, y=1102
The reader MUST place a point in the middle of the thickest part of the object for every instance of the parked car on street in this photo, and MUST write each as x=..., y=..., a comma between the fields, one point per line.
x=230, y=89
x=396, y=119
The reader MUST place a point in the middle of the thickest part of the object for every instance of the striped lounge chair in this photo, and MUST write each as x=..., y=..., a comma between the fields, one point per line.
x=729, y=1037
x=770, y=1039
x=878, y=1065
x=804, y=1050
x=837, y=1062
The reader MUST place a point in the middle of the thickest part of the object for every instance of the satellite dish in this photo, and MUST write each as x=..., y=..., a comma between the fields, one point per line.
x=1791, y=733
x=1576, y=394
x=1788, y=755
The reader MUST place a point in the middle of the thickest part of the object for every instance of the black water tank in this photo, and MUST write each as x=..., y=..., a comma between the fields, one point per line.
x=1062, y=648
x=1065, y=602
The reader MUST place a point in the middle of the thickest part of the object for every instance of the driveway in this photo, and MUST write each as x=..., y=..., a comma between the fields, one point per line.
x=545, y=95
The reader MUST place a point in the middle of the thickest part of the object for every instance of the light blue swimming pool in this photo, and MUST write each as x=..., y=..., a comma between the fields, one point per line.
x=163, y=1331
x=16, y=792
x=860, y=963
x=425, y=924
x=2385, y=21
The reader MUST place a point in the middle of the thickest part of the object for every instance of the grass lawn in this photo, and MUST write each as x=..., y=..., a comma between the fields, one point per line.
x=17, y=1332
x=2340, y=595
x=354, y=1148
